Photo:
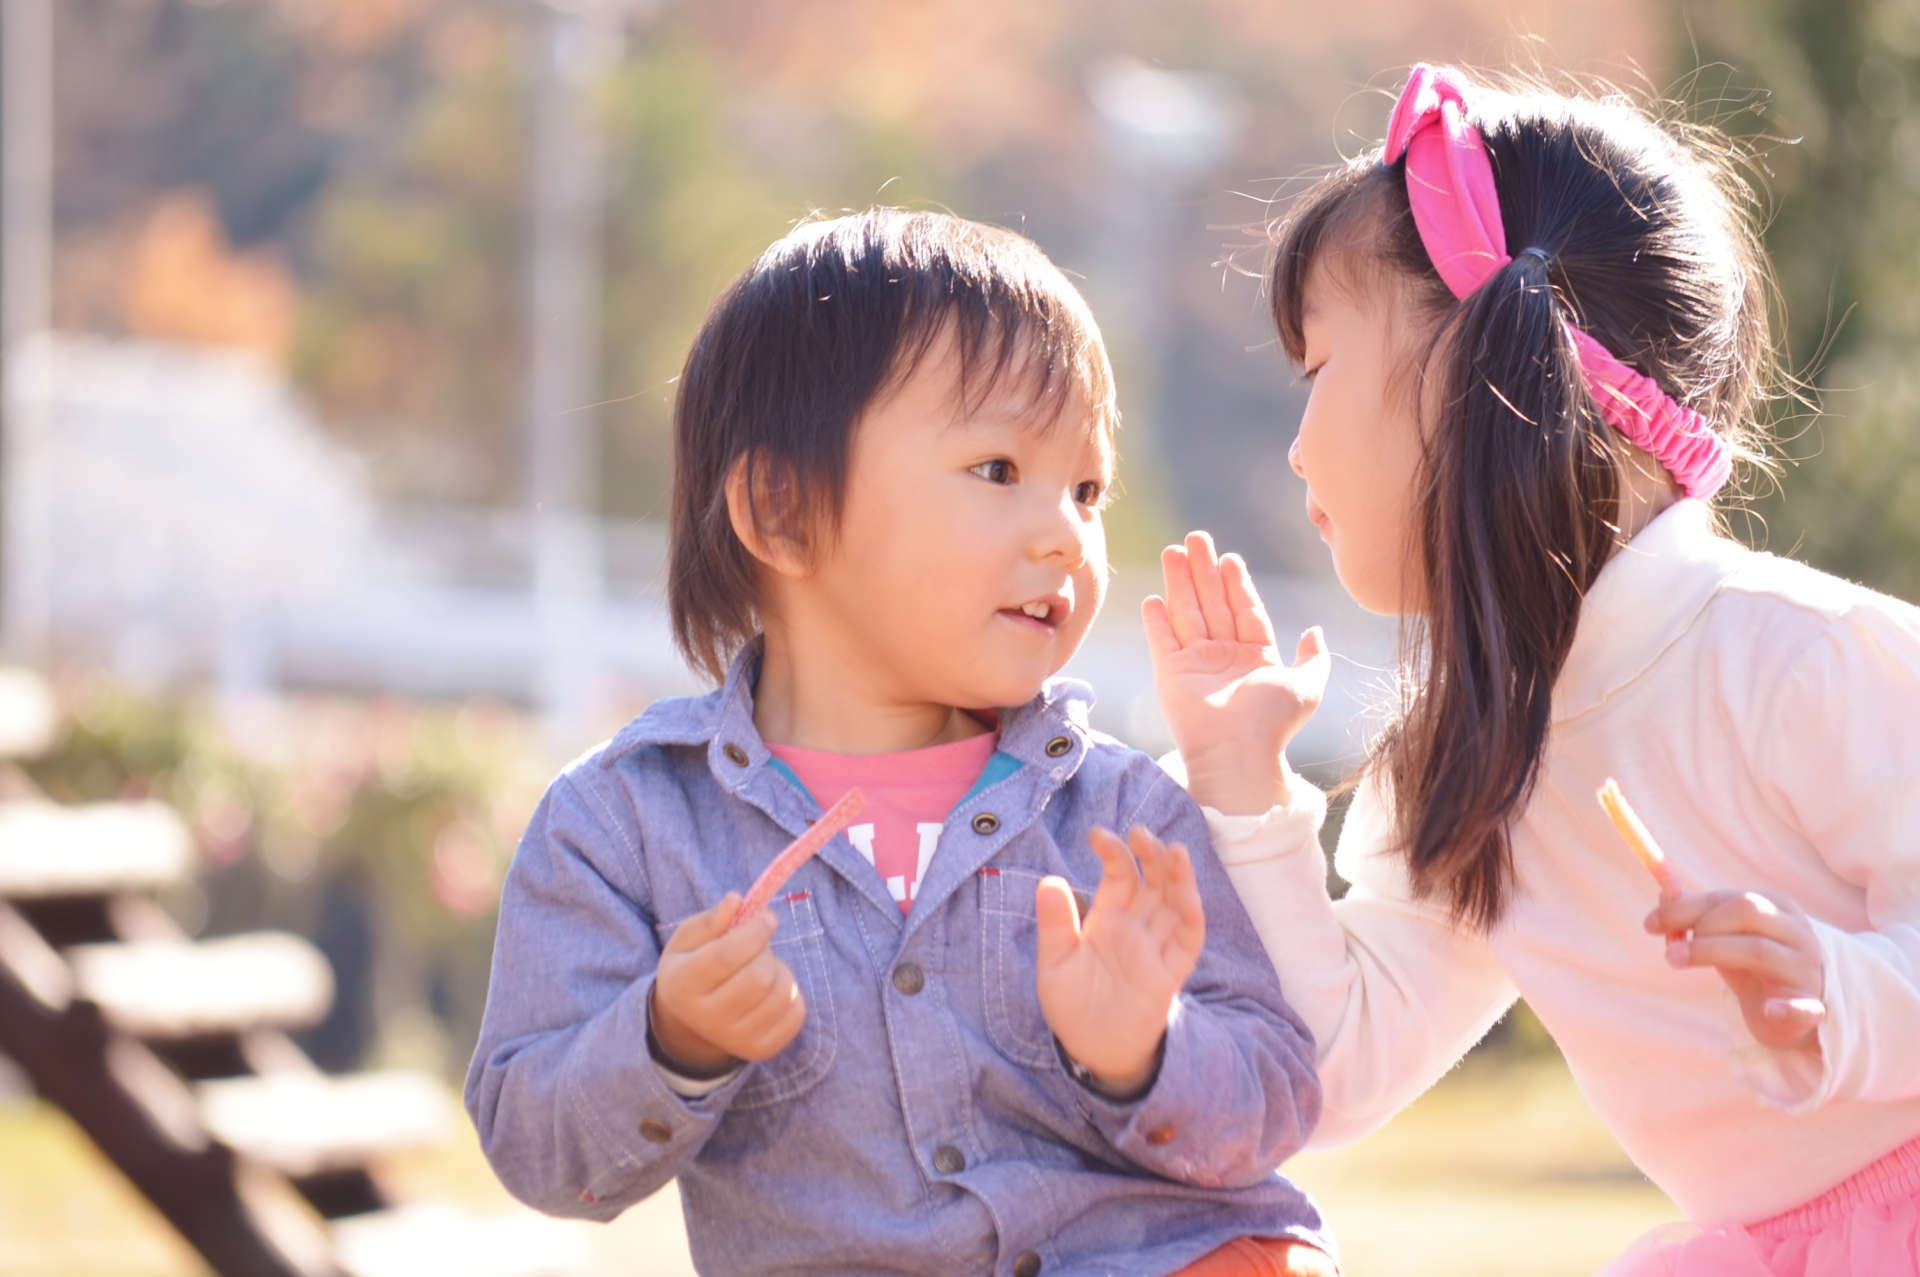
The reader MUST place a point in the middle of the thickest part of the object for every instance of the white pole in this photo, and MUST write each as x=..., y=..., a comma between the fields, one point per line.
x=26, y=292
x=575, y=45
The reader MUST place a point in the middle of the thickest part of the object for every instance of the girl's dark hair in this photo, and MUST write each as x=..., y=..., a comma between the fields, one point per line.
x=1648, y=246
x=828, y=320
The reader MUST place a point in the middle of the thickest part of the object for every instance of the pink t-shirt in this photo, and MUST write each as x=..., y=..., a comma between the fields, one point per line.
x=908, y=797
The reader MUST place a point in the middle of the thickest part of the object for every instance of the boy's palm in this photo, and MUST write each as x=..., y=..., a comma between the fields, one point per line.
x=1106, y=985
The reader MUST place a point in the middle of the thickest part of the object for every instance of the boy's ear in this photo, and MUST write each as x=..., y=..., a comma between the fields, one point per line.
x=770, y=537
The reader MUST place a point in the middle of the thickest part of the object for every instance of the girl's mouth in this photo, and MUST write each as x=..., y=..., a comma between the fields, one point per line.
x=1318, y=518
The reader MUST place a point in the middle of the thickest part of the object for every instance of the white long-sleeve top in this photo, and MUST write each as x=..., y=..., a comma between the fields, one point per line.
x=1764, y=719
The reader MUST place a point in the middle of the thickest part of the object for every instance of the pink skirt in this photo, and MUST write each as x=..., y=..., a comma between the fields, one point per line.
x=1868, y=1226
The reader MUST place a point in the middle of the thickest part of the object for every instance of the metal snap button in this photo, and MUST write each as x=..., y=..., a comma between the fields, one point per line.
x=985, y=823
x=735, y=755
x=1026, y=1264
x=909, y=978
x=1058, y=746
x=655, y=1131
x=949, y=1160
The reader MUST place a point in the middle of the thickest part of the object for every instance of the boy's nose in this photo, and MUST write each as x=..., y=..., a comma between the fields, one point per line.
x=1062, y=532
x=1293, y=457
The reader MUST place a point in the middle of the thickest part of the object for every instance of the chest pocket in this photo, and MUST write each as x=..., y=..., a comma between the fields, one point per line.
x=1009, y=955
x=801, y=944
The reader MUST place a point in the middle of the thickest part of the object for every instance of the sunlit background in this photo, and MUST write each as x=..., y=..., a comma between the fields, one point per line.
x=340, y=339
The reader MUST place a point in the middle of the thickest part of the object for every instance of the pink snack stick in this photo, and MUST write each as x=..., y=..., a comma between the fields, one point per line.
x=797, y=853
x=1635, y=834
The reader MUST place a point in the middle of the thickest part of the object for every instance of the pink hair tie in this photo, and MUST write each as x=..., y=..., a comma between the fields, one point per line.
x=1456, y=208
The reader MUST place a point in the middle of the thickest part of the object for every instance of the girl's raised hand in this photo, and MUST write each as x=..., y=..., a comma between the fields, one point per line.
x=1107, y=984
x=1763, y=947
x=1230, y=702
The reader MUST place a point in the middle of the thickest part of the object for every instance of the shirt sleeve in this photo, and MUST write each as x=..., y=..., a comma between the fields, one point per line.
x=1392, y=989
x=1236, y=1094
x=572, y=1111
x=1837, y=753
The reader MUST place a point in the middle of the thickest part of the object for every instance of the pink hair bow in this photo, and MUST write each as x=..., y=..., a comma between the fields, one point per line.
x=1456, y=207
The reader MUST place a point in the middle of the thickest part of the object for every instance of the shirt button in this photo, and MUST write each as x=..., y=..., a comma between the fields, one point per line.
x=656, y=1132
x=949, y=1160
x=909, y=978
x=1059, y=746
x=735, y=755
x=985, y=823
x=1026, y=1264
x=1163, y=1135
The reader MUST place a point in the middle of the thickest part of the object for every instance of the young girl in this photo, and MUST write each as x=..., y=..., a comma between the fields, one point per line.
x=893, y=443
x=1534, y=326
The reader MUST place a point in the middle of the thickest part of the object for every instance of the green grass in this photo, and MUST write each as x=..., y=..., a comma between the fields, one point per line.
x=1501, y=1169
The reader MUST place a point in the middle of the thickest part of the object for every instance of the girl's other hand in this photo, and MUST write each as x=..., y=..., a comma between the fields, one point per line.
x=1763, y=947
x=1106, y=985
x=721, y=995
x=1230, y=702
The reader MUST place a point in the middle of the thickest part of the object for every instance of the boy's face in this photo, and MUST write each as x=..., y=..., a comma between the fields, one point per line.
x=970, y=557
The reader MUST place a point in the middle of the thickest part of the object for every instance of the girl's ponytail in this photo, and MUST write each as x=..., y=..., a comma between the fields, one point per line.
x=1615, y=231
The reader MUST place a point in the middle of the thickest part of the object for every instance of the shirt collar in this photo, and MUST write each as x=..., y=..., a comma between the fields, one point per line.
x=1646, y=597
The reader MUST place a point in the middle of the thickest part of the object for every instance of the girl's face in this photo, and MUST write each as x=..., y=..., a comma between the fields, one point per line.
x=1359, y=447
x=970, y=557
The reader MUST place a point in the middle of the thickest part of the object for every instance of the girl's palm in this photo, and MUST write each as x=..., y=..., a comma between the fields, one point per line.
x=1230, y=702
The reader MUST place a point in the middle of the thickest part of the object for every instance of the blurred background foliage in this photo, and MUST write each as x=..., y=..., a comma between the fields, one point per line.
x=1824, y=92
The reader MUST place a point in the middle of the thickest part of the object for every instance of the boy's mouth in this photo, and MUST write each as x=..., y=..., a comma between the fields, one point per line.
x=1045, y=614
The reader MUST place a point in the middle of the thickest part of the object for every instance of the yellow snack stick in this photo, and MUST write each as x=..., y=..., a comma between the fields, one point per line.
x=1636, y=836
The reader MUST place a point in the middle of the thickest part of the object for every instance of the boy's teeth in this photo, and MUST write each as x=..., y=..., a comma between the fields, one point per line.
x=1038, y=611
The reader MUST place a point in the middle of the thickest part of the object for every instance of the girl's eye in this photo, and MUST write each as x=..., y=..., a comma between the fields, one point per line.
x=1091, y=493
x=999, y=470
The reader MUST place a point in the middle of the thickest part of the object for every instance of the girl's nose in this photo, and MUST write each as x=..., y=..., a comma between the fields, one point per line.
x=1293, y=457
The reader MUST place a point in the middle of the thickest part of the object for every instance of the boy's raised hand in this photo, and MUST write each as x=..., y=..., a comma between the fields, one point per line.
x=1107, y=985
x=1230, y=702
x=721, y=996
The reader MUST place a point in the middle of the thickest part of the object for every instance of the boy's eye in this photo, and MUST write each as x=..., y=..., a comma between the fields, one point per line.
x=999, y=470
x=1091, y=493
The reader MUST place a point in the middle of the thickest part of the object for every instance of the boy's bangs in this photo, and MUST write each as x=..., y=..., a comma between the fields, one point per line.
x=1029, y=343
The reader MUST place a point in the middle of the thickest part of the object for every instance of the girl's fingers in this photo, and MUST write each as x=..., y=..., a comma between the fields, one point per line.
x=1729, y=913
x=1183, y=604
x=1250, y=621
x=1162, y=642
x=1766, y=960
x=1208, y=586
x=1313, y=663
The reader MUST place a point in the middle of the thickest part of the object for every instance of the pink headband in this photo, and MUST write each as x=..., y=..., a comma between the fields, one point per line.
x=1457, y=210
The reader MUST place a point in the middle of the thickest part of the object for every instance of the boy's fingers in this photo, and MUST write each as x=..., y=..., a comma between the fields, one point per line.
x=1058, y=921
x=713, y=963
x=1119, y=877
x=1183, y=605
x=1207, y=585
x=1151, y=854
x=1250, y=622
x=704, y=926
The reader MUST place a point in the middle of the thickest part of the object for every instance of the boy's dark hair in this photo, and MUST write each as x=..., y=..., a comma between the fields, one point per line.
x=830, y=319
x=1650, y=247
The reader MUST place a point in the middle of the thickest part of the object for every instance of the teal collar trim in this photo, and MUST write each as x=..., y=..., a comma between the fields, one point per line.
x=998, y=768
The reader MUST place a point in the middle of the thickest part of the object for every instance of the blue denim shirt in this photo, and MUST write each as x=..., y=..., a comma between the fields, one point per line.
x=923, y=1127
